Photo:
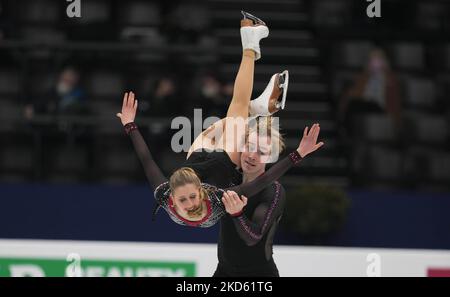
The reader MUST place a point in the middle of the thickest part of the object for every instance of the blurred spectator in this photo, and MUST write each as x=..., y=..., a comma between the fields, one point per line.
x=70, y=95
x=209, y=96
x=184, y=22
x=164, y=100
x=66, y=97
x=210, y=91
x=374, y=90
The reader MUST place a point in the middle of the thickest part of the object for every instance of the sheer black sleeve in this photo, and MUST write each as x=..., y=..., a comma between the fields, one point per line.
x=152, y=171
x=275, y=172
x=252, y=230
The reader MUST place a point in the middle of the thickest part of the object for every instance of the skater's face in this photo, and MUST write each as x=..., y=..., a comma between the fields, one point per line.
x=187, y=200
x=256, y=153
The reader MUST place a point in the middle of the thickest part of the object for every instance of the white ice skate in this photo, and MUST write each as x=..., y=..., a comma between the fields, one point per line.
x=268, y=102
x=253, y=30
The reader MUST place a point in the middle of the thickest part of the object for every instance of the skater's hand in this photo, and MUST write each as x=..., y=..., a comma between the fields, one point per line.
x=129, y=107
x=309, y=144
x=233, y=204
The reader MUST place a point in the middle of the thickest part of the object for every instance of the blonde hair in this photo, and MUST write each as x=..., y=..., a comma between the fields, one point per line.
x=182, y=176
x=186, y=175
x=264, y=125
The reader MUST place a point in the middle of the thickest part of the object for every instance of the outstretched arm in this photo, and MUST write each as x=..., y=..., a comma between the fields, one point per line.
x=152, y=171
x=308, y=144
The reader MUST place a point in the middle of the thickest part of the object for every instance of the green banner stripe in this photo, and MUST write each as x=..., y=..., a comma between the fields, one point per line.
x=101, y=268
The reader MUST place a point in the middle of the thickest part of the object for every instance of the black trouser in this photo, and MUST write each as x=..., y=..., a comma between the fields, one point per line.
x=269, y=269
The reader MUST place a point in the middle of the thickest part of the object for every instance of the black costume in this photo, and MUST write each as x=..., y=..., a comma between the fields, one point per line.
x=206, y=166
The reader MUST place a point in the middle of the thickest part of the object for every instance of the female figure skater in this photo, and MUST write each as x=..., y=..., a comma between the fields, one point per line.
x=186, y=199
